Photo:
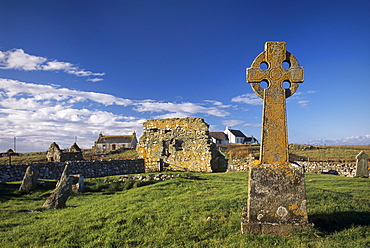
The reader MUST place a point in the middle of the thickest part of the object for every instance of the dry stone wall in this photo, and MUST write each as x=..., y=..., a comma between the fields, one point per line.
x=341, y=169
x=182, y=144
x=11, y=173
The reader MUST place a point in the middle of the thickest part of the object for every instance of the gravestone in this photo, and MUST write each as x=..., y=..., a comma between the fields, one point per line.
x=29, y=181
x=78, y=183
x=362, y=169
x=276, y=191
x=62, y=191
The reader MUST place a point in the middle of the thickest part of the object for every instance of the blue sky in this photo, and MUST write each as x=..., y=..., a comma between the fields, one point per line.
x=77, y=68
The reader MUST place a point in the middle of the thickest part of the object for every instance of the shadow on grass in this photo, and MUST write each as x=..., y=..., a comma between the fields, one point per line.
x=10, y=191
x=330, y=223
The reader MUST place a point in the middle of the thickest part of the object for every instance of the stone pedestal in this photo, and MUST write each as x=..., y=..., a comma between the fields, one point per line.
x=276, y=200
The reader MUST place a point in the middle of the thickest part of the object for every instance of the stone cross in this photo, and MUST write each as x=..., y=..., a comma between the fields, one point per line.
x=276, y=189
x=282, y=76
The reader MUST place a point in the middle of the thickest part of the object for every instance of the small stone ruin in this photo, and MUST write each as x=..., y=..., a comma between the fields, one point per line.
x=55, y=154
x=179, y=144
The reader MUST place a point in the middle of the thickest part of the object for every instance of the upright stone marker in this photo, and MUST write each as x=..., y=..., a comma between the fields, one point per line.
x=62, y=191
x=276, y=191
x=29, y=182
x=362, y=169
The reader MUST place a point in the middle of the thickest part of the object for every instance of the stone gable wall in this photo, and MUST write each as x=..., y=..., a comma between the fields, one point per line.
x=53, y=170
x=182, y=144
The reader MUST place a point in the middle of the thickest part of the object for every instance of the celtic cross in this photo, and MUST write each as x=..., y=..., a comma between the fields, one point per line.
x=274, y=84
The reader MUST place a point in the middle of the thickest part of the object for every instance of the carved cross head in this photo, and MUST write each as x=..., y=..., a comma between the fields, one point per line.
x=278, y=68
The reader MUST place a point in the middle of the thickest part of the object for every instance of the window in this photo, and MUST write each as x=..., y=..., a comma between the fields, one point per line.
x=165, y=151
x=178, y=145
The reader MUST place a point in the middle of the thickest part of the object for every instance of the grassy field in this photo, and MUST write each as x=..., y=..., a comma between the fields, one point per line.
x=203, y=211
x=327, y=153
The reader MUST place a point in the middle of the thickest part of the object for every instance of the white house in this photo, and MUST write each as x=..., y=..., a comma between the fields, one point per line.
x=111, y=143
x=231, y=136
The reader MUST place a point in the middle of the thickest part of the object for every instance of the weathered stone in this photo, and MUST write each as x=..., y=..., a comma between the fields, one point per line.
x=274, y=138
x=362, y=169
x=62, y=191
x=29, y=182
x=277, y=201
x=276, y=191
x=179, y=144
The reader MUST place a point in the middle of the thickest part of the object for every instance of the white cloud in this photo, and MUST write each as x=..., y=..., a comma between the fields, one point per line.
x=217, y=103
x=353, y=140
x=38, y=92
x=232, y=123
x=178, y=109
x=56, y=65
x=19, y=60
x=248, y=98
x=94, y=79
x=252, y=125
x=41, y=114
x=303, y=103
x=301, y=98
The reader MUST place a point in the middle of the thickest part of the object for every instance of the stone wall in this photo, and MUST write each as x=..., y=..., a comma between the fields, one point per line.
x=343, y=169
x=240, y=164
x=10, y=173
x=182, y=144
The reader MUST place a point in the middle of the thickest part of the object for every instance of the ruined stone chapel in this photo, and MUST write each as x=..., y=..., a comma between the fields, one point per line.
x=182, y=144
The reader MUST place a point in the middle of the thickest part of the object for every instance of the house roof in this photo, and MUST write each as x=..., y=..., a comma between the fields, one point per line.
x=219, y=135
x=237, y=133
x=116, y=139
x=75, y=148
x=250, y=139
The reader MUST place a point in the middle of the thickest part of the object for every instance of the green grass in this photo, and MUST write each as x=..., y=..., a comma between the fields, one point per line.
x=182, y=212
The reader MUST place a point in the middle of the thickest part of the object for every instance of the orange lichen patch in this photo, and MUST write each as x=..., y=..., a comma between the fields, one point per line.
x=255, y=163
x=293, y=206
